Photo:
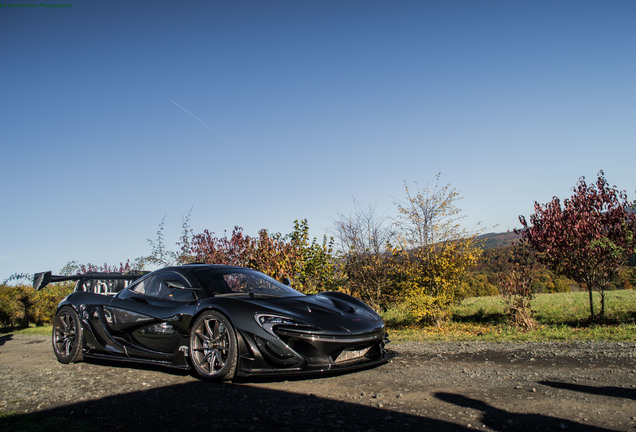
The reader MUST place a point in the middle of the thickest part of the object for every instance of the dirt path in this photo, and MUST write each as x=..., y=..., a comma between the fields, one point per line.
x=582, y=386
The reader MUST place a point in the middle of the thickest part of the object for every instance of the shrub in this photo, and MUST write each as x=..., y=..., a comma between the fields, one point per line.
x=22, y=305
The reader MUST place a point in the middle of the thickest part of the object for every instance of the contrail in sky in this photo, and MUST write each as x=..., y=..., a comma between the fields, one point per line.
x=203, y=123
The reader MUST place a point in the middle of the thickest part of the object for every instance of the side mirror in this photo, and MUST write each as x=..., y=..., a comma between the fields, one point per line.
x=286, y=281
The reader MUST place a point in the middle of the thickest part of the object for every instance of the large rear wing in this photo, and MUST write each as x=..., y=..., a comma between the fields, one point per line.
x=99, y=282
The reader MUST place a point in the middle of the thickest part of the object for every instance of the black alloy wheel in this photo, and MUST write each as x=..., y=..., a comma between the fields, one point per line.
x=67, y=336
x=213, y=350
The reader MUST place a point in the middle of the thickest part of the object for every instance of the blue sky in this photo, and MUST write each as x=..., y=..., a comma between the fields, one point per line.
x=114, y=114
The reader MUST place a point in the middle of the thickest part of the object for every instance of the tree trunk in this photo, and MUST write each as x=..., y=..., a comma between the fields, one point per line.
x=589, y=290
x=26, y=303
x=601, y=314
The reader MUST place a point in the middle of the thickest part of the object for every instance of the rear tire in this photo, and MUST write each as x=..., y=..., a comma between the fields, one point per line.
x=67, y=336
x=213, y=351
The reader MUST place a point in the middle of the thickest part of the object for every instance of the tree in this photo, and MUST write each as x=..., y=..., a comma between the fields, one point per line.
x=434, y=251
x=309, y=264
x=366, y=255
x=15, y=277
x=430, y=278
x=159, y=253
x=17, y=305
x=233, y=250
x=273, y=254
x=587, y=238
x=316, y=267
x=431, y=216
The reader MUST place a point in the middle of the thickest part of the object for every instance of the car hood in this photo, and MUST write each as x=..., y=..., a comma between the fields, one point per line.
x=331, y=315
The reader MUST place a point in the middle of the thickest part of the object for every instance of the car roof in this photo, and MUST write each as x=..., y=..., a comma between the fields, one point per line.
x=201, y=265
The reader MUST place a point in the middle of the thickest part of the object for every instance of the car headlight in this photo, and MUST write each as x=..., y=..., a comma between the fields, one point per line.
x=268, y=321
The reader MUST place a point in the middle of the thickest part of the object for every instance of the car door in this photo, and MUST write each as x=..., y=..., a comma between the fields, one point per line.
x=150, y=318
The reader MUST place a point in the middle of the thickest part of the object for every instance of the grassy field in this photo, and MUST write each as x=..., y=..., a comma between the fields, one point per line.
x=561, y=316
x=559, y=308
x=44, y=330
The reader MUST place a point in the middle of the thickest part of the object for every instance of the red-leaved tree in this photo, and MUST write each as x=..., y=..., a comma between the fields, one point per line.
x=308, y=263
x=123, y=268
x=271, y=254
x=587, y=238
x=235, y=250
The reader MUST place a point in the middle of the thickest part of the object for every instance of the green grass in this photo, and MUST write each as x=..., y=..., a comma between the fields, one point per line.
x=559, y=308
x=561, y=316
x=43, y=330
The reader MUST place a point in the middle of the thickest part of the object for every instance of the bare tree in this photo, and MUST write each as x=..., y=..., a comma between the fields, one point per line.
x=430, y=215
x=363, y=231
x=365, y=254
x=434, y=251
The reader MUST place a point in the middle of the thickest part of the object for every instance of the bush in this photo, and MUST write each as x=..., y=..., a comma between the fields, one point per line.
x=9, y=306
x=22, y=305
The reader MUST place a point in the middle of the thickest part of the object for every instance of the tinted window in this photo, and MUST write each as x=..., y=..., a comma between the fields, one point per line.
x=157, y=287
x=167, y=292
x=240, y=281
x=141, y=286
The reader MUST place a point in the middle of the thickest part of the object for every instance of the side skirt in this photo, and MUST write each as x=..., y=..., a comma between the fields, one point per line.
x=137, y=361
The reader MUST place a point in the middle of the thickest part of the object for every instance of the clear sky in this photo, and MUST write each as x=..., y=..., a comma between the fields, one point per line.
x=114, y=114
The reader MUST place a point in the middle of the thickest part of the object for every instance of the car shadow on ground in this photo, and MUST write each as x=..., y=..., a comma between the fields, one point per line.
x=5, y=338
x=617, y=392
x=501, y=420
x=219, y=407
x=278, y=377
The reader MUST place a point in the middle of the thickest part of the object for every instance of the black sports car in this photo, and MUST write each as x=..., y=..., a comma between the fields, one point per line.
x=223, y=321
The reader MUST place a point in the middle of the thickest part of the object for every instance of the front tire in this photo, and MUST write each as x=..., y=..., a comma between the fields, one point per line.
x=67, y=336
x=213, y=350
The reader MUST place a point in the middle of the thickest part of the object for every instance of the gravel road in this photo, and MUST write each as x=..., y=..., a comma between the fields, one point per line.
x=578, y=386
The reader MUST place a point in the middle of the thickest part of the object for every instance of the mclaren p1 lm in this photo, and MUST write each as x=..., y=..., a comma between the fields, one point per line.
x=221, y=321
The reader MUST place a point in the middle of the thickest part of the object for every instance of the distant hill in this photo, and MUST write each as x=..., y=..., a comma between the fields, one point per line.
x=495, y=240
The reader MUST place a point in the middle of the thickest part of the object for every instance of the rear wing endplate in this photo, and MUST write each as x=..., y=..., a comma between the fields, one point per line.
x=40, y=280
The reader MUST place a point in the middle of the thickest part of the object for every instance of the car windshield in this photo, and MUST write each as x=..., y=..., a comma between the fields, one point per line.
x=228, y=282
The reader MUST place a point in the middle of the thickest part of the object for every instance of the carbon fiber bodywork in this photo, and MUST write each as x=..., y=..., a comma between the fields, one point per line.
x=275, y=334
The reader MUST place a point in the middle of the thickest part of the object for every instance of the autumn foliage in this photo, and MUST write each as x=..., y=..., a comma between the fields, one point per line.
x=22, y=305
x=419, y=263
x=308, y=264
x=422, y=261
x=434, y=252
x=587, y=238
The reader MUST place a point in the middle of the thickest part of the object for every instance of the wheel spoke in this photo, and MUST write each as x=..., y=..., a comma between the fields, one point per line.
x=212, y=360
x=203, y=338
x=204, y=360
x=209, y=330
x=221, y=332
x=64, y=320
x=218, y=359
x=214, y=329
